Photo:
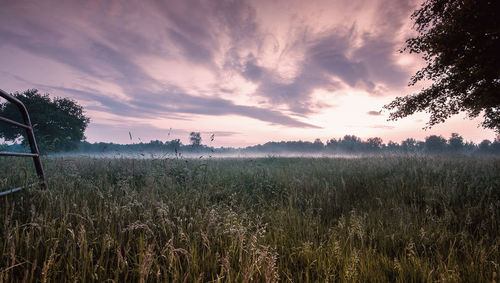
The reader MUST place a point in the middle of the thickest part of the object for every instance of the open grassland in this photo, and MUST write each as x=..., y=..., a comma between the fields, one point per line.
x=271, y=219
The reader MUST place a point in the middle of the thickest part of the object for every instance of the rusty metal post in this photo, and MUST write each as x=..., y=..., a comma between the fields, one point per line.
x=35, y=154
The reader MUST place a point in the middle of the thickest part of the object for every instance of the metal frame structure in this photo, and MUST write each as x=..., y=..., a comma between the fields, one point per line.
x=35, y=154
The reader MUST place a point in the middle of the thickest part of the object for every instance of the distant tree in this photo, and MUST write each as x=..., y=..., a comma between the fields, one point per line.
x=58, y=123
x=456, y=143
x=195, y=138
x=318, y=145
x=495, y=146
x=156, y=143
x=420, y=146
x=393, y=146
x=409, y=145
x=351, y=143
x=332, y=144
x=484, y=146
x=435, y=144
x=175, y=143
x=460, y=41
x=374, y=144
x=470, y=147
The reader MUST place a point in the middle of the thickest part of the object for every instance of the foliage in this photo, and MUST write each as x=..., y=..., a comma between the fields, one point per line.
x=374, y=143
x=377, y=219
x=456, y=143
x=460, y=41
x=195, y=139
x=58, y=123
x=435, y=144
x=409, y=145
x=484, y=146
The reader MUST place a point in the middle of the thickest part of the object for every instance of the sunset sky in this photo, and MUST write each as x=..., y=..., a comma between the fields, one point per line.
x=247, y=71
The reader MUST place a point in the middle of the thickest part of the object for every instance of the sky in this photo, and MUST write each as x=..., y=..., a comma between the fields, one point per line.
x=246, y=71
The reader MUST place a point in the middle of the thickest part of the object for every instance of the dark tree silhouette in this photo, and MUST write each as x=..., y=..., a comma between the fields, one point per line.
x=374, y=143
x=318, y=145
x=195, y=139
x=58, y=123
x=350, y=143
x=333, y=144
x=456, y=143
x=460, y=41
x=484, y=146
x=409, y=145
x=495, y=146
x=393, y=146
x=435, y=144
x=174, y=144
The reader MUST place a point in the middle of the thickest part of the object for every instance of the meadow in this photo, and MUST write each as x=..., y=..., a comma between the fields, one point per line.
x=367, y=219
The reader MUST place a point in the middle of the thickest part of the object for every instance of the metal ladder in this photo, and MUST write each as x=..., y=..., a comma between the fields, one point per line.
x=35, y=154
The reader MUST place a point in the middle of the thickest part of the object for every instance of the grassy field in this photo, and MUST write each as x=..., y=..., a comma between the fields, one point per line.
x=405, y=219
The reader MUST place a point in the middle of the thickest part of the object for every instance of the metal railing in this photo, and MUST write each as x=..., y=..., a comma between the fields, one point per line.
x=35, y=154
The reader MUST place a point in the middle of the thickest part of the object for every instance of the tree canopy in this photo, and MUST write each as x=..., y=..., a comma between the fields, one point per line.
x=58, y=123
x=195, y=139
x=460, y=42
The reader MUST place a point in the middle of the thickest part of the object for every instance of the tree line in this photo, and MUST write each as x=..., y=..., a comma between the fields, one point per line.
x=349, y=144
x=60, y=124
x=352, y=144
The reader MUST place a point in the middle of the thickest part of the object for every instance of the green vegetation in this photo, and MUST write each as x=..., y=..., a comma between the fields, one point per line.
x=58, y=123
x=391, y=218
x=459, y=40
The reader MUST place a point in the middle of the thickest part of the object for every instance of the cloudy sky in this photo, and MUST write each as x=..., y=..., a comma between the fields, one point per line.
x=246, y=71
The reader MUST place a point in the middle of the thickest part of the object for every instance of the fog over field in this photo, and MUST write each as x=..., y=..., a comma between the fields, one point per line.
x=205, y=155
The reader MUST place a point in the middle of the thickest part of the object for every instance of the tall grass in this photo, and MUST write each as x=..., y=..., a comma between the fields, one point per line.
x=272, y=219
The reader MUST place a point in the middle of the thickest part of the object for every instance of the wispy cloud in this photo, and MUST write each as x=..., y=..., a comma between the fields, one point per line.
x=171, y=105
x=374, y=113
x=383, y=127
